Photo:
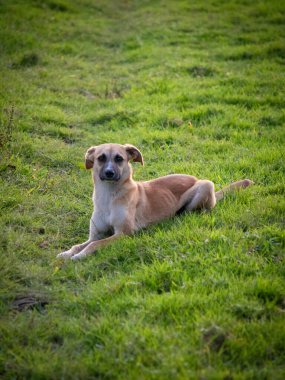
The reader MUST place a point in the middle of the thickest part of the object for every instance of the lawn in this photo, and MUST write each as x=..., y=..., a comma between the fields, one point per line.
x=198, y=87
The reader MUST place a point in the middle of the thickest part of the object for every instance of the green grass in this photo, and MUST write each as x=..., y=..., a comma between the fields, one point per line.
x=198, y=86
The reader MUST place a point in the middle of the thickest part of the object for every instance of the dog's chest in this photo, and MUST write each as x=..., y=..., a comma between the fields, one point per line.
x=108, y=213
x=103, y=203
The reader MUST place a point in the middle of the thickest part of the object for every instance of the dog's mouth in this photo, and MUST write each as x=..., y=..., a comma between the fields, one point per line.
x=105, y=178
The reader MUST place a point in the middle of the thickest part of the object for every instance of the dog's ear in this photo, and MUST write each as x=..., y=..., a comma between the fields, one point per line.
x=134, y=154
x=89, y=157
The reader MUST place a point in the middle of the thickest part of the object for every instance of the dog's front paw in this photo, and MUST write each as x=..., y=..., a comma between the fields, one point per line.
x=78, y=256
x=64, y=255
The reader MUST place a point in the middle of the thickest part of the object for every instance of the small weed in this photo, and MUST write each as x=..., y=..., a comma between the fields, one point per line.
x=114, y=119
x=29, y=302
x=247, y=311
x=57, y=6
x=243, y=56
x=114, y=91
x=201, y=71
x=28, y=60
x=215, y=337
x=6, y=128
x=276, y=51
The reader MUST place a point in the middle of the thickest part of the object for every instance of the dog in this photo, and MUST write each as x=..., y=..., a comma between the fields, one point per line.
x=123, y=206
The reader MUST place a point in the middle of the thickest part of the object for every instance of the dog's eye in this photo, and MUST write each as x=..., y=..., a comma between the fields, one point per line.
x=102, y=158
x=118, y=158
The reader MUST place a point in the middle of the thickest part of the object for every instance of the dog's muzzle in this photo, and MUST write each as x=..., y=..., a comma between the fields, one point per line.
x=109, y=174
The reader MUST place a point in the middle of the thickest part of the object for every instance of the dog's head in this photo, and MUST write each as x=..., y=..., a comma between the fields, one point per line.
x=110, y=162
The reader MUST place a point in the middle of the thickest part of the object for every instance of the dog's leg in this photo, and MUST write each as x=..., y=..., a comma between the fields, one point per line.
x=93, y=236
x=93, y=246
x=119, y=230
x=201, y=196
x=74, y=250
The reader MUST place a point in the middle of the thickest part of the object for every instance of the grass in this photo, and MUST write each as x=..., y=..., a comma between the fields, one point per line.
x=199, y=88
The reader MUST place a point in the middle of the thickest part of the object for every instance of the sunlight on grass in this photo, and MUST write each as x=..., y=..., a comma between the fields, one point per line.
x=199, y=88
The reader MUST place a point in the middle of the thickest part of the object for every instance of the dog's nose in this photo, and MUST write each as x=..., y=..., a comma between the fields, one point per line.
x=110, y=174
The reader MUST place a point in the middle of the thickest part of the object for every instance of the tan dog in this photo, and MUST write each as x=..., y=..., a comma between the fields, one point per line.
x=123, y=206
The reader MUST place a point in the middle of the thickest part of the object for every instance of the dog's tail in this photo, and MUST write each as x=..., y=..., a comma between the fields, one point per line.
x=235, y=185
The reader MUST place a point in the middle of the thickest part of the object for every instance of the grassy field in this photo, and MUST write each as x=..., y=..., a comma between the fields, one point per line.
x=198, y=86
